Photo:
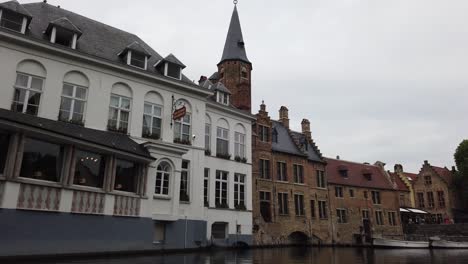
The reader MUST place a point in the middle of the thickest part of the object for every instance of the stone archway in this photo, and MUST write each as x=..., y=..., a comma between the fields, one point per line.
x=298, y=238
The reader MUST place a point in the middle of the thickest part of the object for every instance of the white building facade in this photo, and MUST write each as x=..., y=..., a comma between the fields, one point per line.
x=91, y=153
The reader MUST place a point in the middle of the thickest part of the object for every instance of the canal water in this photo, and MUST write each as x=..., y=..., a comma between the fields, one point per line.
x=292, y=256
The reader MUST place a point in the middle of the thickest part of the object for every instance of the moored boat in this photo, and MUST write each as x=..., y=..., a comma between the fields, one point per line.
x=392, y=243
x=448, y=244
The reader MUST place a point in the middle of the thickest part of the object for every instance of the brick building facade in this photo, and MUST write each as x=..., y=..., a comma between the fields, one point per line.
x=364, y=202
x=290, y=198
x=433, y=192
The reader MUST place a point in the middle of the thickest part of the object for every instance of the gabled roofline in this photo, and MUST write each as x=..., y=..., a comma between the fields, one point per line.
x=76, y=54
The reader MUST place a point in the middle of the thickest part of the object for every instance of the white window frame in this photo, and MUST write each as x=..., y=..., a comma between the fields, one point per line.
x=239, y=180
x=239, y=145
x=323, y=209
x=181, y=122
x=23, y=25
x=392, y=218
x=339, y=192
x=152, y=115
x=120, y=109
x=282, y=175
x=321, y=182
x=129, y=60
x=165, y=176
x=341, y=216
x=186, y=181
x=73, y=98
x=206, y=186
x=298, y=173
x=223, y=135
x=222, y=98
x=299, y=204
x=367, y=214
x=28, y=89
x=381, y=217
x=208, y=136
x=283, y=203
x=219, y=180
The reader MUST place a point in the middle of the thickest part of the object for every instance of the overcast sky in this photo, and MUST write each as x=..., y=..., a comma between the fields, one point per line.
x=378, y=79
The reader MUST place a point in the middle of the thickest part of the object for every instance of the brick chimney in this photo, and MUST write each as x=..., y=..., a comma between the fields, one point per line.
x=202, y=79
x=306, y=129
x=398, y=168
x=284, y=116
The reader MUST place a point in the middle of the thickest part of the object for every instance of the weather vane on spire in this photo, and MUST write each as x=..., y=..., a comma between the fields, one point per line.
x=235, y=2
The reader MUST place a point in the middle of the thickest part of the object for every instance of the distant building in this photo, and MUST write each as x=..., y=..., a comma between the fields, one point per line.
x=290, y=197
x=106, y=145
x=364, y=202
x=434, y=193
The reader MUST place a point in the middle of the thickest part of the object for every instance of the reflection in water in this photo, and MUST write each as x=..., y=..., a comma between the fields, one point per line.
x=294, y=256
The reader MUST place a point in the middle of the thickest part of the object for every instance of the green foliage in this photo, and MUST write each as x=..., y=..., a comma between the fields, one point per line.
x=461, y=158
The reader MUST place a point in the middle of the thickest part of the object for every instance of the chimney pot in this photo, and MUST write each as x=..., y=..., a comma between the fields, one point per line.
x=306, y=129
x=337, y=157
x=284, y=116
x=202, y=79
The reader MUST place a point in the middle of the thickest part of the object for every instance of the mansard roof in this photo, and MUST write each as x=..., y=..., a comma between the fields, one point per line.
x=15, y=7
x=355, y=175
x=234, y=47
x=136, y=46
x=97, y=39
x=112, y=140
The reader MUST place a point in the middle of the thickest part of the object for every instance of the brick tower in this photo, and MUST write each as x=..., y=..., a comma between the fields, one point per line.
x=234, y=69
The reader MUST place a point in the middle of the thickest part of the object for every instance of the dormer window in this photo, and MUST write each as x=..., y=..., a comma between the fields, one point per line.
x=173, y=70
x=135, y=55
x=343, y=171
x=13, y=21
x=367, y=174
x=137, y=59
x=63, y=32
x=223, y=98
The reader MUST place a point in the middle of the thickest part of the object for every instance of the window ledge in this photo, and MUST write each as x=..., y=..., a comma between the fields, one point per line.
x=161, y=197
x=300, y=184
x=122, y=193
x=184, y=202
x=83, y=188
x=280, y=181
x=284, y=215
x=38, y=182
x=264, y=179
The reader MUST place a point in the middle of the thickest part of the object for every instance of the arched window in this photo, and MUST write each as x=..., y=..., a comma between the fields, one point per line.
x=183, y=126
x=120, y=107
x=74, y=96
x=28, y=87
x=152, y=116
x=163, y=175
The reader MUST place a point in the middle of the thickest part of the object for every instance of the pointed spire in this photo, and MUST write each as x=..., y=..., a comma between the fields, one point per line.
x=234, y=48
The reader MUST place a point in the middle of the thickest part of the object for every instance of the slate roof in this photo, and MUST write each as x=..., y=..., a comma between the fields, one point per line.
x=16, y=7
x=234, y=47
x=214, y=76
x=219, y=86
x=135, y=46
x=355, y=174
x=103, y=138
x=285, y=142
x=173, y=59
x=97, y=39
x=206, y=84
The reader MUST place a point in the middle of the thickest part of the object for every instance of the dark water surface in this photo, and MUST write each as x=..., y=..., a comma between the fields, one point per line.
x=293, y=256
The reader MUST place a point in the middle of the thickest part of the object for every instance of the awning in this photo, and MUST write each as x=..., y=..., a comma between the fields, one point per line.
x=404, y=210
x=413, y=210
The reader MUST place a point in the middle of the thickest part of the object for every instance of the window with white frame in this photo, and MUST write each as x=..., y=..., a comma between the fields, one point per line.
x=379, y=218
x=208, y=137
x=206, y=187
x=321, y=183
x=392, y=219
x=239, y=144
x=298, y=173
x=323, y=211
x=137, y=59
x=27, y=96
x=152, y=121
x=73, y=103
x=12, y=21
x=222, y=142
x=264, y=169
x=263, y=133
x=341, y=216
x=174, y=71
x=163, y=175
x=119, y=113
x=222, y=98
x=185, y=181
x=281, y=171
x=182, y=129
x=221, y=189
x=239, y=191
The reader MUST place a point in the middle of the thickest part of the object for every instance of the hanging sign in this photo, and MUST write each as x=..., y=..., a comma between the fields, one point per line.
x=179, y=113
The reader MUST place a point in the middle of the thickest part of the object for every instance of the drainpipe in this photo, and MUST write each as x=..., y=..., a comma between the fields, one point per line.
x=185, y=233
